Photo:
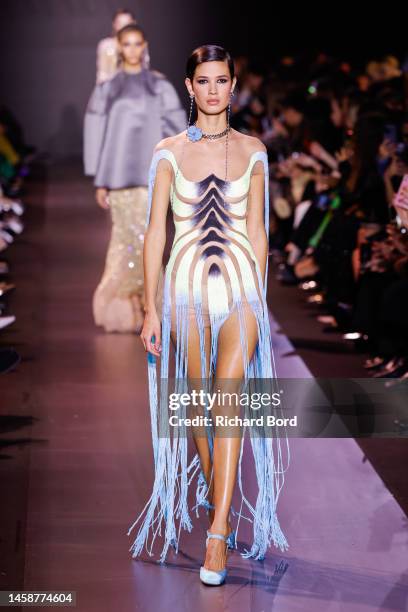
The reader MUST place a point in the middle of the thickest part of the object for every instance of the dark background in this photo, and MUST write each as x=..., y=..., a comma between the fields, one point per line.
x=48, y=48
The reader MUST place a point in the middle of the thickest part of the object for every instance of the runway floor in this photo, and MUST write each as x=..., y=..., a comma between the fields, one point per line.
x=76, y=456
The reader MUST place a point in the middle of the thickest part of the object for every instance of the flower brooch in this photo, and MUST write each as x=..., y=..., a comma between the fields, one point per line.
x=194, y=133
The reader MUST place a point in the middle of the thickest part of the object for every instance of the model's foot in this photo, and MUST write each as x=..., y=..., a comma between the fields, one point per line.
x=211, y=513
x=216, y=554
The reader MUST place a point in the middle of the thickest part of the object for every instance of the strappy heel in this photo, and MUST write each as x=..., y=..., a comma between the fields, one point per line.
x=232, y=536
x=213, y=577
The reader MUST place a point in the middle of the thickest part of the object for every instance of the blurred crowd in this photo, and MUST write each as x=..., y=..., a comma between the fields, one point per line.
x=15, y=157
x=337, y=141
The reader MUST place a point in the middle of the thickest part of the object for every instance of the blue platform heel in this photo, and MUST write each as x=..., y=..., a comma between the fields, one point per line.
x=213, y=577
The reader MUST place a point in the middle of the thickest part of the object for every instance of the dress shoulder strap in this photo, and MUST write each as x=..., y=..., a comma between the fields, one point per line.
x=157, y=157
x=263, y=157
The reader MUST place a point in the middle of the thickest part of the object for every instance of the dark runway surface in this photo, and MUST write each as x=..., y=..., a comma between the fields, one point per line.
x=76, y=453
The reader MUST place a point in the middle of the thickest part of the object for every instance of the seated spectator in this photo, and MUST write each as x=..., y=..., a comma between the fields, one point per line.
x=337, y=140
x=14, y=159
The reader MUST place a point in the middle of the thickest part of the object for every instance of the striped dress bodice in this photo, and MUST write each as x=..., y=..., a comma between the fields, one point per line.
x=212, y=261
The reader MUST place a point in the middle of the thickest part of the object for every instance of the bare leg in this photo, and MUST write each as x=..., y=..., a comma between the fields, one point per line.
x=199, y=433
x=228, y=377
x=194, y=374
x=230, y=366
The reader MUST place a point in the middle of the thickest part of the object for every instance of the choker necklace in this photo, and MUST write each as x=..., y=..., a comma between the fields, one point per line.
x=195, y=133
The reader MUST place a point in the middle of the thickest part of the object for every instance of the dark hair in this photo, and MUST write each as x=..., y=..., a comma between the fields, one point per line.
x=367, y=137
x=295, y=100
x=130, y=27
x=122, y=11
x=208, y=53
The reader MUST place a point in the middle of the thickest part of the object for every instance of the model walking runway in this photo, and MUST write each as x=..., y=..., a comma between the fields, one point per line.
x=86, y=465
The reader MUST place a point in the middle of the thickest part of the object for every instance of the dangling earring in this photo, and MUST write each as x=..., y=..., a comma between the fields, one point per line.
x=191, y=110
x=229, y=109
x=194, y=133
x=146, y=57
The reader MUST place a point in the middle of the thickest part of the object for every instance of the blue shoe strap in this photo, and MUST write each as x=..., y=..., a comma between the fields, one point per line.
x=217, y=536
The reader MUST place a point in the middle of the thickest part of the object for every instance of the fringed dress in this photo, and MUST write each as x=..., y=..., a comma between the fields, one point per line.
x=212, y=271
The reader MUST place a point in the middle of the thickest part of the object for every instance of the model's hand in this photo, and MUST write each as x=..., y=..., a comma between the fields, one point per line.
x=101, y=196
x=151, y=327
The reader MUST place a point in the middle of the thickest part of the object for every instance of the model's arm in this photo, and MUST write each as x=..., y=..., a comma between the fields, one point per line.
x=99, y=62
x=94, y=127
x=154, y=243
x=255, y=217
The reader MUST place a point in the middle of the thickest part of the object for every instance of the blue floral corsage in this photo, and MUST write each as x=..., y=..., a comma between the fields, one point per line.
x=194, y=133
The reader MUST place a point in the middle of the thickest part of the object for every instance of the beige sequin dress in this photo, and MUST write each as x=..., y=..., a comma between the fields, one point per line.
x=119, y=297
x=126, y=117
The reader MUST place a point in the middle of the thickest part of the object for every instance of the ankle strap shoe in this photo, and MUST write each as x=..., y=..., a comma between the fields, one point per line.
x=213, y=577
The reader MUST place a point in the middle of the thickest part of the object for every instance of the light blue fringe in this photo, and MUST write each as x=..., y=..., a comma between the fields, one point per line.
x=173, y=475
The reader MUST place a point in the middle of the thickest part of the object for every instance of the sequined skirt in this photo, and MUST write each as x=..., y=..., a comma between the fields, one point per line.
x=119, y=297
